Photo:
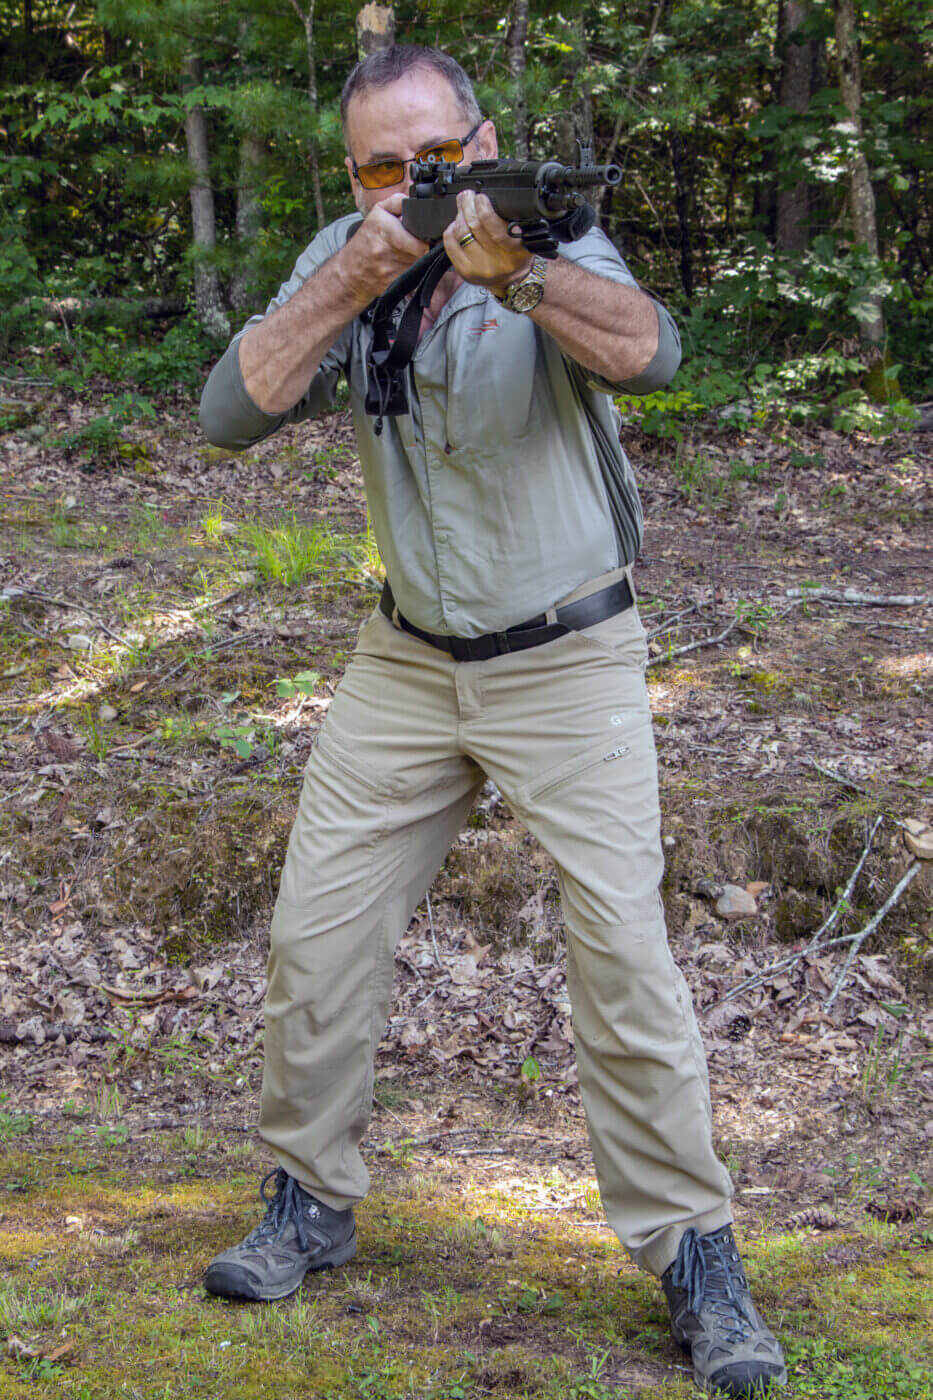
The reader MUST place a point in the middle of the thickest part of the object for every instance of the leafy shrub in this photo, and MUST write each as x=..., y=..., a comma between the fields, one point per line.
x=175, y=362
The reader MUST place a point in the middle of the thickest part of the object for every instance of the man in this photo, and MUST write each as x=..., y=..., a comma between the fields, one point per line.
x=507, y=644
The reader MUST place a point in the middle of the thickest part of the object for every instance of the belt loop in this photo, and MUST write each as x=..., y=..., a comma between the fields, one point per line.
x=629, y=574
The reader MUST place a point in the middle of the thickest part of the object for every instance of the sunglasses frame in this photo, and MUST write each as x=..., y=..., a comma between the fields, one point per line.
x=419, y=155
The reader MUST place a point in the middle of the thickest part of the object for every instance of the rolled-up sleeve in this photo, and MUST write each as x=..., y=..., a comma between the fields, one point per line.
x=228, y=415
x=597, y=254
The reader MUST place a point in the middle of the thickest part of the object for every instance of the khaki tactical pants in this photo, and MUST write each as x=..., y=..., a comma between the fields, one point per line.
x=564, y=730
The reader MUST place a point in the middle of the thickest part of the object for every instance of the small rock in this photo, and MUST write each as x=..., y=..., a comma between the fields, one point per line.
x=735, y=903
x=756, y=887
x=919, y=838
x=69, y=502
x=245, y=579
x=78, y=641
x=106, y=713
x=848, y=724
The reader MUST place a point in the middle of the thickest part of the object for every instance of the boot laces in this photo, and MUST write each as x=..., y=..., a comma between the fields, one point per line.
x=708, y=1274
x=286, y=1207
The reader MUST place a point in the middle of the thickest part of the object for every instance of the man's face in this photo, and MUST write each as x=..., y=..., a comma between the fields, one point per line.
x=418, y=111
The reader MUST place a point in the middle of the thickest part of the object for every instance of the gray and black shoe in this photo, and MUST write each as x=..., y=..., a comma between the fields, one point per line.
x=299, y=1234
x=714, y=1319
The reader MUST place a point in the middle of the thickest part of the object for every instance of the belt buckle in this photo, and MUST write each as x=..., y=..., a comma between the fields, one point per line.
x=503, y=647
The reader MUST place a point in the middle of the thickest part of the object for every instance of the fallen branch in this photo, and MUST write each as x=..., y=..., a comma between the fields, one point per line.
x=52, y=1030
x=693, y=646
x=437, y=955
x=205, y=653
x=816, y=942
x=853, y=598
x=859, y=938
x=669, y=622
x=68, y=603
x=843, y=781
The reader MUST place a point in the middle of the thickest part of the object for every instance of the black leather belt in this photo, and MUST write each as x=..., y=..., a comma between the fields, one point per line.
x=573, y=617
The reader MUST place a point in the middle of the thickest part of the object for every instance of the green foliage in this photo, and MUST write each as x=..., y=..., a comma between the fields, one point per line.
x=177, y=361
x=825, y=1371
x=100, y=442
x=95, y=179
x=302, y=684
x=12, y=1124
x=292, y=552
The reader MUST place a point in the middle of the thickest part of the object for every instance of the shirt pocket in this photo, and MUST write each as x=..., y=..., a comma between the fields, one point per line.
x=491, y=390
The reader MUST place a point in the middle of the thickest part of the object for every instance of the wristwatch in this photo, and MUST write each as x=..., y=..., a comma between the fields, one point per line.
x=525, y=294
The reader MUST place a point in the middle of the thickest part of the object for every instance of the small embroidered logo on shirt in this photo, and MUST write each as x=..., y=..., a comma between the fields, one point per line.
x=491, y=325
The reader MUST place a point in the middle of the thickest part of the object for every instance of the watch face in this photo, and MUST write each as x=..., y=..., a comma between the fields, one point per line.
x=526, y=296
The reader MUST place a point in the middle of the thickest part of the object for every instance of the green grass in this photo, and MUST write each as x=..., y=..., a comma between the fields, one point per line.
x=291, y=552
x=458, y=1292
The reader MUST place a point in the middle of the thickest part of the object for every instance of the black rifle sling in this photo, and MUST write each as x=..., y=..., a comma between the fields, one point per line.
x=386, y=393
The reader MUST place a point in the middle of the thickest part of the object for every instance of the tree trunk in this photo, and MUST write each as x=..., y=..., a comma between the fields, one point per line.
x=575, y=124
x=682, y=192
x=314, y=150
x=517, y=39
x=861, y=194
x=248, y=216
x=796, y=64
x=207, y=294
x=375, y=29
x=27, y=16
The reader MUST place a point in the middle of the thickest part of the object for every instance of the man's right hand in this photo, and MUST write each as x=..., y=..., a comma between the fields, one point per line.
x=380, y=250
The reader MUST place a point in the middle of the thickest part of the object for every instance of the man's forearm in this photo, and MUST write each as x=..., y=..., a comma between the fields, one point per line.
x=281, y=354
x=605, y=326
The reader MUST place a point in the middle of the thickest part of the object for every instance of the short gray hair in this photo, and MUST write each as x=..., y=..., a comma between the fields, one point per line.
x=385, y=66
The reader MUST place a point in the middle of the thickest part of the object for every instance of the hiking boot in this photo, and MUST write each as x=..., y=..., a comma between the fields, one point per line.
x=713, y=1317
x=299, y=1234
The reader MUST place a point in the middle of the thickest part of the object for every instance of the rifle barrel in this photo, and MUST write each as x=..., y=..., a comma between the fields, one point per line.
x=572, y=178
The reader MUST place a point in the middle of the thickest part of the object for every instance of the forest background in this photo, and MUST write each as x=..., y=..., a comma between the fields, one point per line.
x=161, y=165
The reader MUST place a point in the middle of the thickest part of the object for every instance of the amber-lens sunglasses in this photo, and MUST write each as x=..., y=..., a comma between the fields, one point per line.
x=382, y=173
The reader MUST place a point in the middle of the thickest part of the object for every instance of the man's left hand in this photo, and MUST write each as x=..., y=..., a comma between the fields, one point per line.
x=492, y=258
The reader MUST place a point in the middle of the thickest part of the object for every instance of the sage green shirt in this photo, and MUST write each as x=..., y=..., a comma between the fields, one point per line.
x=505, y=487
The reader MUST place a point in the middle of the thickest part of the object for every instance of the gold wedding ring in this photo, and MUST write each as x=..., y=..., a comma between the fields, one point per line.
x=467, y=239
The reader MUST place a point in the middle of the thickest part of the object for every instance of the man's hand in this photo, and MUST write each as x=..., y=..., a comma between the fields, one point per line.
x=380, y=250
x=493, y=259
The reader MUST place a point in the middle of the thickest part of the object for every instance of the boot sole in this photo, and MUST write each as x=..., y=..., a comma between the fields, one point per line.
x=341, y=1255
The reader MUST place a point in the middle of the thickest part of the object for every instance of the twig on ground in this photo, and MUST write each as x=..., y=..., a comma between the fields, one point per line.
x=852, y=597
x=849, y=783
x=859, y=938
x=214, y=602
x=669, y=622
x=437, y=955
x=816, y=942
x=693, y=646
x=68, y=603
x=206, y=652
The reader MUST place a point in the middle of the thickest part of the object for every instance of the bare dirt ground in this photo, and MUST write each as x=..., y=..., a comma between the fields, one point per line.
x=151, y=758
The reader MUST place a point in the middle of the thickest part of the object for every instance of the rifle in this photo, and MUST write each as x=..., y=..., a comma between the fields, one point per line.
x=540, y=200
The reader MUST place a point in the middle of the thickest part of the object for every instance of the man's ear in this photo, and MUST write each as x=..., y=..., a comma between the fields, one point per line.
x=487, y=140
